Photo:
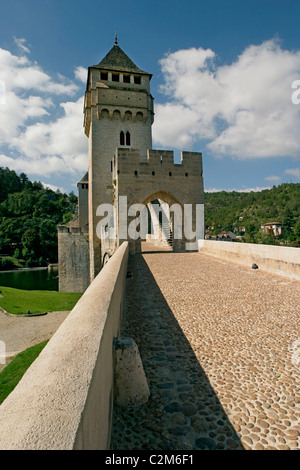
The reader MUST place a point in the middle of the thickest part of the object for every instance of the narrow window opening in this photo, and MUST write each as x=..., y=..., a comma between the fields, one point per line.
x=186, y=174
x=115, y=77
x=126, y=78
x=170, y=173
x=153, y=173
x=127, y=138
x=104, y=76
x=137, y=80
x=122, y=138
x=135, y=172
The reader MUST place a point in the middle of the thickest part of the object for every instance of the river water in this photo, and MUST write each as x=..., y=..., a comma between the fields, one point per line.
x=30, y=279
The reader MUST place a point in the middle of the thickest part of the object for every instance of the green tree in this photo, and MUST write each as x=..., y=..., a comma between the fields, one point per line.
x=29, y=215
x=9, y=183
x=23, y=179
x=297, y=230
x=31, y=243
x=287, y=224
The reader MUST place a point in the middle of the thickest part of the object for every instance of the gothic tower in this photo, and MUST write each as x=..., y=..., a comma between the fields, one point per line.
x=118, y=112
x=118, y=115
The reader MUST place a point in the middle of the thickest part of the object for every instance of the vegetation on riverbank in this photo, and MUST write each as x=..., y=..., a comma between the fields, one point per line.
x=14, y=371
x=19, y=301
x=29, y=215
x=9, y=262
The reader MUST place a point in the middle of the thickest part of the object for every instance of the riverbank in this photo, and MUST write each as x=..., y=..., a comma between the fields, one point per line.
x=13, y=270
x=19, y=330
x=19, y=301
x=31, y=278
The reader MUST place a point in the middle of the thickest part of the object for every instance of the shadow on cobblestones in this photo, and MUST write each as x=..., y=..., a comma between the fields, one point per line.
x=183, y=411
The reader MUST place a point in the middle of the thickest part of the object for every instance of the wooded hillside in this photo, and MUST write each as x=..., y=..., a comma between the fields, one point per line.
x=244, y=213
x=29, y=214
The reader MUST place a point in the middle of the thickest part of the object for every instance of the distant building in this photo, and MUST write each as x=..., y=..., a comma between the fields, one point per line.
x=225, y=236
x=272, y=228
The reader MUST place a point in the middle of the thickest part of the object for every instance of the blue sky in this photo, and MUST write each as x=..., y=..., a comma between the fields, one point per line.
x=222, y=83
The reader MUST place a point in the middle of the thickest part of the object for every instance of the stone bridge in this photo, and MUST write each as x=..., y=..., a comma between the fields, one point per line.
x=220, y=349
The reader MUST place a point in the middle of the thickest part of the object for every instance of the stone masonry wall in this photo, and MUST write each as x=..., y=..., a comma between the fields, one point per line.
x=112, y=108
x=73, y=259
x=158, y=178
x=138, y=179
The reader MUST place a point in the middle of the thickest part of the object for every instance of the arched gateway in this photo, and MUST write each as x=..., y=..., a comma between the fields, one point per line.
x=126, y=175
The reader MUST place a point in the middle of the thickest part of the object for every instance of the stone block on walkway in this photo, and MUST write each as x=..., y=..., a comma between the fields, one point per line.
x=131, y=386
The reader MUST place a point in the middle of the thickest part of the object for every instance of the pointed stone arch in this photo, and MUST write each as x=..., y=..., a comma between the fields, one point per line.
x=165, y=219
x=159, y=190
x=168, y=232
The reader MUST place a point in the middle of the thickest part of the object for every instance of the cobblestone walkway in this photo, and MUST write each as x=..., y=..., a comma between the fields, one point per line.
x=218, y=346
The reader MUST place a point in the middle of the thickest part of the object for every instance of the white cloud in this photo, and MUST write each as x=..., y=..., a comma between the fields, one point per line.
x=243, y=109
x=29, y=93
x=17, y=110
x=240, y=190
x=20, y=42
x=21, y=74
x=273, y=179
x=295, y=172
x=33, y=138
x=42, y=166
x=53, y=187
x=61, y=136
x=175, y=123
x=59, y=146
x=81, y=74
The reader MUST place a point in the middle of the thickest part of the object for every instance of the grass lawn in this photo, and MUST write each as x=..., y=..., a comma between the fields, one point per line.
x=37, y=301
x=14, y=371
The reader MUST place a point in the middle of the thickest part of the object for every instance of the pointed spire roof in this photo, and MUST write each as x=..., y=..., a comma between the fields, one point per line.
x=116, y=59
x=84, y=179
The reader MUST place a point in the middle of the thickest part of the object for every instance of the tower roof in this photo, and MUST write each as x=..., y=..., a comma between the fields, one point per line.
x=84, y=179
x=116, y=59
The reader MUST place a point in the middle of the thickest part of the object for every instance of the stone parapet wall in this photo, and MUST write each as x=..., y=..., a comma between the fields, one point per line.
x=284, y=261
x=64, y=401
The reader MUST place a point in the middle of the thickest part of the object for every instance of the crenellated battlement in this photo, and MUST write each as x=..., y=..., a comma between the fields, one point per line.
x=74, y=229
x=157, y=175
x=157, y=163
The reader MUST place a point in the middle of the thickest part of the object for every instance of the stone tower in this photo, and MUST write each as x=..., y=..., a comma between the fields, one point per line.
x=118, y=113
